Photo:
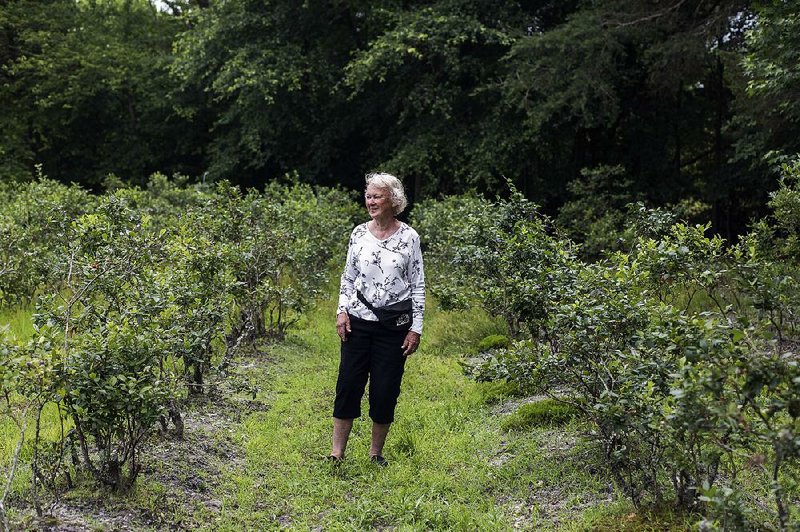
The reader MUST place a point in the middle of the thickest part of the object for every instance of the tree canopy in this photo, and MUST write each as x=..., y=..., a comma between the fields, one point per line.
x=689, y=100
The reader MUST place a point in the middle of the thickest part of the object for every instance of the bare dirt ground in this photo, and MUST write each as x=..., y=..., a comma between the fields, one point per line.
x=553, y=498
x=179, y=487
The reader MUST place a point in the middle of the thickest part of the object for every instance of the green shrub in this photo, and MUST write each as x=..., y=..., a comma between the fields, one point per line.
x=112, y=381
x=503, y=255
x=680, y=353
x=137, y=289
x=34, y=218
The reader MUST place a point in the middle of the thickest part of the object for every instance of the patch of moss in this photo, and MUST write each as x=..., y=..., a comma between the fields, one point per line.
x=547, y=412
x=497, y=391
x=621, y=517
x=494, y=341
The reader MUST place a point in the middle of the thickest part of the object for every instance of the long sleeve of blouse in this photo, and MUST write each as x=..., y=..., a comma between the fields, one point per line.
x=385, y=272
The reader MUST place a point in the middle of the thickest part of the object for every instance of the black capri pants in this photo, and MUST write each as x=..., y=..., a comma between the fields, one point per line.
x=375, y=353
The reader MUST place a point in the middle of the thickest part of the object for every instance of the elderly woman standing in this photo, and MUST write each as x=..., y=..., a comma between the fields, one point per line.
x=379, y=318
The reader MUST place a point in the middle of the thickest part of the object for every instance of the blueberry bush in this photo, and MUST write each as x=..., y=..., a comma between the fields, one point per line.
x=679, y=349
x=140, y=295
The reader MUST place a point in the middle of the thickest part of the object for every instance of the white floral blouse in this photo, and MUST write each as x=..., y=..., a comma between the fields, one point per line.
x=385, y=272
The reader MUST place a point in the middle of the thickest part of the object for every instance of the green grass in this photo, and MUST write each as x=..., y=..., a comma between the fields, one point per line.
x=494, y=341
x=451, y=465
x=18, y=320
x=437, y=476
x=20, y=328
x=457, y=333
x=50, y=431
x=498, y=391
x=622, y=517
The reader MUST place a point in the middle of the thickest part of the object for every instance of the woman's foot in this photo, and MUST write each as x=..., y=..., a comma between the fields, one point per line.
x=379, y=460
x=334, y=461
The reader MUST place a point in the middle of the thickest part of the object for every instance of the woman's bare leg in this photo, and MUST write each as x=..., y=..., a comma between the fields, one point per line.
x=379, y=432
x=341, y=433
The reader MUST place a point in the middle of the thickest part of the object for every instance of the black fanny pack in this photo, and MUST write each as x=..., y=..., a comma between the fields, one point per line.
x=396, y=317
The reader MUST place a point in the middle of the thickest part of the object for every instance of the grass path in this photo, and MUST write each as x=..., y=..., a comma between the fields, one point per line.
x=439, y=448
x=452, y=467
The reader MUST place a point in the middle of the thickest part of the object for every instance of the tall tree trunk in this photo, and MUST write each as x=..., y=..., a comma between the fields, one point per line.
x=721, y=106
x=677, y=129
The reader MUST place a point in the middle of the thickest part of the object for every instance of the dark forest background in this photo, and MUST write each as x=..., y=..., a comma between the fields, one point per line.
x=585, y=106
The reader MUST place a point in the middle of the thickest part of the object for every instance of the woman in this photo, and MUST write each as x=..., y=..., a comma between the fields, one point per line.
x=384, y=267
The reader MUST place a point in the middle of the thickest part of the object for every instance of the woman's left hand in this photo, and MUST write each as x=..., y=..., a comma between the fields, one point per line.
x=410, y=344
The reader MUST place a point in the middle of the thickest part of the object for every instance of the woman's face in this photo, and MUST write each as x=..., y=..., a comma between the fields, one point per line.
x=379, y=202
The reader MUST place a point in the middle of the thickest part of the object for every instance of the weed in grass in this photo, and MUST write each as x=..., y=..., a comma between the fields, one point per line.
x=18, y=320
x=542, y=413
x=149, y=494
x=405, y=443
x=456, y=333
x=547, y=478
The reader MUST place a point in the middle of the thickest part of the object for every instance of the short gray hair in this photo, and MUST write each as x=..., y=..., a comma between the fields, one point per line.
x=383, y=180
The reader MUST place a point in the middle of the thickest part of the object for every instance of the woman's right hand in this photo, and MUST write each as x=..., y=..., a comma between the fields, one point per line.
x=343, y=325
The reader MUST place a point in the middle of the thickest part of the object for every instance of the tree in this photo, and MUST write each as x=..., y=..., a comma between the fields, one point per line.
x=770, y=115
x=449, y=94
x=619, y=83
x=268, y=72
x=426, y=75
x=85, y=91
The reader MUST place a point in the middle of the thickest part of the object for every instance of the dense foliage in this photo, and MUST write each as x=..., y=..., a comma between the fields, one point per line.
x=140, y=294
x=682, y=99
x=680, y=350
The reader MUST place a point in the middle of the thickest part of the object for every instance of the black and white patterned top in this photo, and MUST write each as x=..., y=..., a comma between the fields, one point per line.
x=385, y=272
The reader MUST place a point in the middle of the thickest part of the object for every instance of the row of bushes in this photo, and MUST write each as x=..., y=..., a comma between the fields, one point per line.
x=680, y=351
x=135, y=291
